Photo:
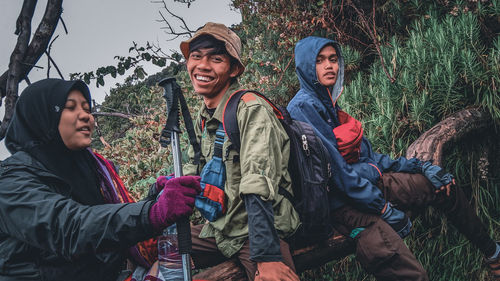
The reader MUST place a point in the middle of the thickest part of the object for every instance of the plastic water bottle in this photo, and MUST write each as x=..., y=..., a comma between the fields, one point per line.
x=169, y=259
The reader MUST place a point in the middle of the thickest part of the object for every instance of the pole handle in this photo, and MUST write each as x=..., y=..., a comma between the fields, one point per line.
x=184, y=236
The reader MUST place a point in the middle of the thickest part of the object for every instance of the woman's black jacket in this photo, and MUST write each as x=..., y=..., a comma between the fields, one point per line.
x=45, y=235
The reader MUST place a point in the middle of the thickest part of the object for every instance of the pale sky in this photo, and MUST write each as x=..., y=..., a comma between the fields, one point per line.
x=99, y=30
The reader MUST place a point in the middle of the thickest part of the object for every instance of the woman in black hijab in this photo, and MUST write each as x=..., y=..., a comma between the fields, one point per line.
x=56, y=220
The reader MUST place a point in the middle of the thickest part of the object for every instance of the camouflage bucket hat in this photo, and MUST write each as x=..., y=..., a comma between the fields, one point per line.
x=222, y=33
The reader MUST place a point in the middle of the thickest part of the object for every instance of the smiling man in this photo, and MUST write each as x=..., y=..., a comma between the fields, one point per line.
x=255, y=220
x=368, y=186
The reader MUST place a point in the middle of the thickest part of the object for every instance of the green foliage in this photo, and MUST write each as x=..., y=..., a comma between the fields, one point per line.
x=136, y=169
x=138, y=152
x=133, y=100
x=491, y=99
x=443, y=56
x=440, y=69
x=266, y=70
x=134, y=144
x=139, y=55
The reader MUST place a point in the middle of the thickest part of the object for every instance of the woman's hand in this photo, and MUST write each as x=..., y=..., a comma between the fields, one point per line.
x=176, y=201
x=161, y=181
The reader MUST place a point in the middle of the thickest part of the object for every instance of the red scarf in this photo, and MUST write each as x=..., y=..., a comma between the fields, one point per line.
x=144, y=253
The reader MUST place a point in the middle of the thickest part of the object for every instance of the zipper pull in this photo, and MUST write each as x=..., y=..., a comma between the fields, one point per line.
x=329, y=170
x=305, y=146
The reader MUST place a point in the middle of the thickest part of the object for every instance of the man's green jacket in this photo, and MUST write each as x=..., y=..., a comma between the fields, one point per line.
x=260, y=168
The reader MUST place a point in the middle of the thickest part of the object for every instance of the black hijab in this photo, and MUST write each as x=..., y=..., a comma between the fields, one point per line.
x=34, y=129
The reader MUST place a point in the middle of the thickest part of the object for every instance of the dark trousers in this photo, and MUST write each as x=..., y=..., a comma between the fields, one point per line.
x=205, y=253
x=379, y=248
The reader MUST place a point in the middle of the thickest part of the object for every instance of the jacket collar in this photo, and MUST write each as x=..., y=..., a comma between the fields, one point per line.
x=220, y=108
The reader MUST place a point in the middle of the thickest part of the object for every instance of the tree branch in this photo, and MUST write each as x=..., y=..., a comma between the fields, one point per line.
x=373, y=35
x=39, y=42
x=114, y=114
x=50, y=60
x=15, y=73
x=23, y=59
x=187, y=31
x=64, y=25
x=430, y=145
x=55, y=66
x=188, y=2
x=306, y=258
x=98, y=129
x=172, y=32
x=283, y=72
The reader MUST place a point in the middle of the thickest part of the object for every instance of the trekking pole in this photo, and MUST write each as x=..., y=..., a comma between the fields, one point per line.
x=170, y=135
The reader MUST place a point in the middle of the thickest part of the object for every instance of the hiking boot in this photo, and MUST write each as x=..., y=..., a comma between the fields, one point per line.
x=494, y=267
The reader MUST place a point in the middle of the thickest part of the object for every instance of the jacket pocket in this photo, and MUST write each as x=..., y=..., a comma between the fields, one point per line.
x=374, y=246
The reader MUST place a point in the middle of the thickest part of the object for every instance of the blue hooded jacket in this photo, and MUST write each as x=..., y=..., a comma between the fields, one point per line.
x=354, y=183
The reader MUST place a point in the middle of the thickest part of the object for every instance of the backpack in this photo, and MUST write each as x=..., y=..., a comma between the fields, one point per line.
x=308, y=166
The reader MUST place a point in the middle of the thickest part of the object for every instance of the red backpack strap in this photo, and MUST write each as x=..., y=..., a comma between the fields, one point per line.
x=229, y=120
x=202, y=124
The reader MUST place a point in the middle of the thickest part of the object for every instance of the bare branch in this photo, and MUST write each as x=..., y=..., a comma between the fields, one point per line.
x=15, y=73
x=114, y=114
x=166, y=22
x=185, y=1
x=32, y=65
x=187, y=31
x=55, y=66
x=24, y=57
x=50, y=60
x=98, y=129
x=159, y=51
x=283, y=72
x=39, y=42
x=184, y=25
x=64, y=25
x=373, y=35
x=172, y=32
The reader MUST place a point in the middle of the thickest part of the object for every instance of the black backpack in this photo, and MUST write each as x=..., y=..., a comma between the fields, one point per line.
x=308, y=166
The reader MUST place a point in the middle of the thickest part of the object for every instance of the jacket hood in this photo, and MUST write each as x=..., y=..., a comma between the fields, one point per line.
x=306, y=52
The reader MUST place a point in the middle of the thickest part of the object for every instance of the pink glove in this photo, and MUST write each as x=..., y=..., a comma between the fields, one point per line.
x=176, y=201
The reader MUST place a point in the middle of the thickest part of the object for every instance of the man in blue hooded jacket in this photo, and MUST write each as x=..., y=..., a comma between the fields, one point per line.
x=372, y=191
